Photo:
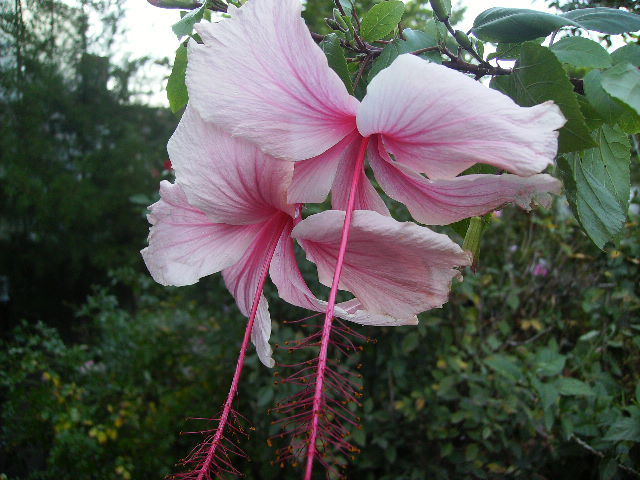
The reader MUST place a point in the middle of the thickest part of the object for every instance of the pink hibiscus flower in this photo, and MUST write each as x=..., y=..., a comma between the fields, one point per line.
x=260, y=77
x=228, y=211
x=275, y=88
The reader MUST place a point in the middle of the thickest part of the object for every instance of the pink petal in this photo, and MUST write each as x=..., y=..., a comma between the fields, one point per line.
x=440, y=202
x=260, y=75
x=242, y=280
x=313, y=178
x=441, y=122
x=228, y=178
x=366, y=196
x=392, y=268
x=333, y=171
x=184, y=245
x=292, y=288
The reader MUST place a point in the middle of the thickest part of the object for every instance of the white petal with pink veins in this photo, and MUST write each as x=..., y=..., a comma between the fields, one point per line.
x=293, y=289
x=440, y=202
x=242, y=280
x=441, y=122
x=392, y=268
x=228, y=178
x=260, y=75
x=184, y=245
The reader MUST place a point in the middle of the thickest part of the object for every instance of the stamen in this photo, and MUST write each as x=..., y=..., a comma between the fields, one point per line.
x=320, y=414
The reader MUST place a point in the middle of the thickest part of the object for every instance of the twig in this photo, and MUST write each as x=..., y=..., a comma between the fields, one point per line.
x=363, y=65
x=599, y=454
x=541, y=333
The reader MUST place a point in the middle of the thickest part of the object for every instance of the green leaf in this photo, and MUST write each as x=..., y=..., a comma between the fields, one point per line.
x=627, y=54
x=347, y=6
x=415, y=40
x=506, y=51
x=381, y=20
x=624, y=429
x=185, y=25
x=604, y=104
x=514, y=25
x=605, y=20
x=623, y=82
x=549, y=362
x=538, y=77
x=608, y=469
x=505, y=365
x=573, y=387
x=410, y=342
x=518, y=25
x=609, y=162
x=581, y=52
x=591, y=117
x=176, y=87
x=547, y=391
x=337, y=61
x=611, y=110
x=595, y=207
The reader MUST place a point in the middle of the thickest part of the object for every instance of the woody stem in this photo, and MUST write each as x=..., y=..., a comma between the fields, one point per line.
x=318, y=398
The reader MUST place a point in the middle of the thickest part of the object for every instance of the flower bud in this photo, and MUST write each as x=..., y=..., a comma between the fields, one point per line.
x=440, y=10
x=333, y=25
x=463, y=40
x=340, y=20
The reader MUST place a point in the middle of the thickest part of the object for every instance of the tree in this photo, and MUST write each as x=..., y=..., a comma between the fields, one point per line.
x=73, y=152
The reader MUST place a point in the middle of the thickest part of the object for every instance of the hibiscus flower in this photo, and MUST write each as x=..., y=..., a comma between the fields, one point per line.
x=273, y=86
x=228, y=211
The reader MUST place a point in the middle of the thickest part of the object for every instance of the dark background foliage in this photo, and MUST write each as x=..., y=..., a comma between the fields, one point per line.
x=531, y=370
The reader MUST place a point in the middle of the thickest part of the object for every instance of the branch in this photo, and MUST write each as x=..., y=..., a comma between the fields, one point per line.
x=478, y=70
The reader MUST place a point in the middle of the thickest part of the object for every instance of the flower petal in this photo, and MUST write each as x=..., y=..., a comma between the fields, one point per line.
x=242, y=280
x=392, y=268
x=292, y=288
x=366, y=196
x=260, y=75
x=313, y=178
x=184, y=245
x=441, y=122
x=228, y=178
x=440, y=202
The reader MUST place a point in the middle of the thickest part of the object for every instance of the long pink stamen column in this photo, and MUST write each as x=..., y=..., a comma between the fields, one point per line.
x=203, y=474
x=328, y=319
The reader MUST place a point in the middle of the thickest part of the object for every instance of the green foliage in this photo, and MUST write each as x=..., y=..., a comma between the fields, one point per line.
x=521, y=374
x=531, y=371
x=381, y=20
x=73, y=150
x=605, y=20
x=623, y=83
x=527, y=89
x=627, y=54
x=581, y=52
x=597, y=184
x=177, y=93
x=516, y=24
x=184, y=26
x=413, y=41
x=519, y=25
x=337, y=61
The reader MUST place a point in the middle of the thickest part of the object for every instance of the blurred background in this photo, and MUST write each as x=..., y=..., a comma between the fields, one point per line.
x=531, y=371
